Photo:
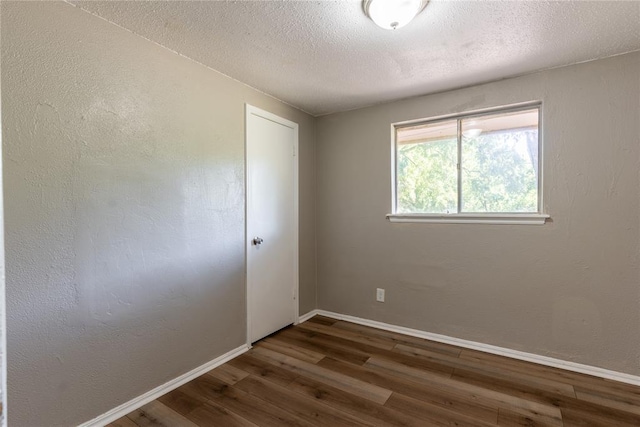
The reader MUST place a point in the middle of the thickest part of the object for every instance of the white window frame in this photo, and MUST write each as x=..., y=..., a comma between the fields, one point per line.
x=536, y=218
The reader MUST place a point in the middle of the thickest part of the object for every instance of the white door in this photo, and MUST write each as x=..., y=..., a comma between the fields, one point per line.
x=272, y=223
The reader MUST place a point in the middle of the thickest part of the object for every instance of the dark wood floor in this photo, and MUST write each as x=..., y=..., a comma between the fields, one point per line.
x=333, y=373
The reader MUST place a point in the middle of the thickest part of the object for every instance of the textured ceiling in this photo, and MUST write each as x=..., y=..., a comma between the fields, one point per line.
x=327, y=56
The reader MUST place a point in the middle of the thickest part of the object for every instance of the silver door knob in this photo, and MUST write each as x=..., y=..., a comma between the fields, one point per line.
x=257, y=241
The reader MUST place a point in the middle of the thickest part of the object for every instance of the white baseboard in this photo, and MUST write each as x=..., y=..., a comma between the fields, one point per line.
x=308, y=316
x=142, y=400
x=147, y=397
x=487, y=348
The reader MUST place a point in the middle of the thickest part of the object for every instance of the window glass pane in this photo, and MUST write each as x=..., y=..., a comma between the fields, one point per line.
x=427, y=177
x=500, y=162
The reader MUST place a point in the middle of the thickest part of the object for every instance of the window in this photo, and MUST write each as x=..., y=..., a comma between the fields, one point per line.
x=475, y=167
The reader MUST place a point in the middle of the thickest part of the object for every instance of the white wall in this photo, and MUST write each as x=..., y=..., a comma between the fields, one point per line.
x=569, y=289
x=124, y=212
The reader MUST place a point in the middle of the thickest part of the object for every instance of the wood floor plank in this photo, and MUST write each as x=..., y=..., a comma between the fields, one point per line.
x=488, y=369
x=556, y=374
x=367, y=411
x=399, y=338
x=348, y=335
x=432, y=414
x=523, y=391
x=594, y=410
x=323, y=320
x=327, y=376
x=291, y=350
x=626, y=404
x=297, y=404
x=122, y=422
x=356, y=348
x=468, y=392
x=155, y=414
x=618, y=386
x=241, y=403
x=511, y=388
x=228, y=373
x=211, y=414
x=406, y=386
x=267, y=371
x=313, y=341
x=578, y=418
x=509, y=418
x=515, y=388
x=181, y=402
x=586, y=383
x=515, y=364
x=611, y=388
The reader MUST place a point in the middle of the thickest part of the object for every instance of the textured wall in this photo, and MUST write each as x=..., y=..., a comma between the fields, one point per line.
x=3, y=329
x=124, y=209
x=569, y=289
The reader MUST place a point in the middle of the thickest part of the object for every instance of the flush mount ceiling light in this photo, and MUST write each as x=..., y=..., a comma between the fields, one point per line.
x=392, y=14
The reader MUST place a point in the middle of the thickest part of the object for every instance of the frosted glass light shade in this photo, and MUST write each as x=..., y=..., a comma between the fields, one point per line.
x=392, y=14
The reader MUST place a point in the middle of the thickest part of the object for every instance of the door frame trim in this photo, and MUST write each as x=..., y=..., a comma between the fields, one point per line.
x=251, y=110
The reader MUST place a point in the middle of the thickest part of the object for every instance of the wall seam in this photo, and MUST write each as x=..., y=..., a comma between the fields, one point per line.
x=315, y=207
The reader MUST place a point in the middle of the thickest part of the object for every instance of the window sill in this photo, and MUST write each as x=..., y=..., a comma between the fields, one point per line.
x=520, y=219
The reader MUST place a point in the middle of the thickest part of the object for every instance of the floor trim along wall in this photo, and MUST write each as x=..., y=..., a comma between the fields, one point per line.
x=487, y=348
x=142, y=400
x=309, y=315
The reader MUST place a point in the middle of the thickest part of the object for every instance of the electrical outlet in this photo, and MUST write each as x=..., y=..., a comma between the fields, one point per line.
x=380, y=295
